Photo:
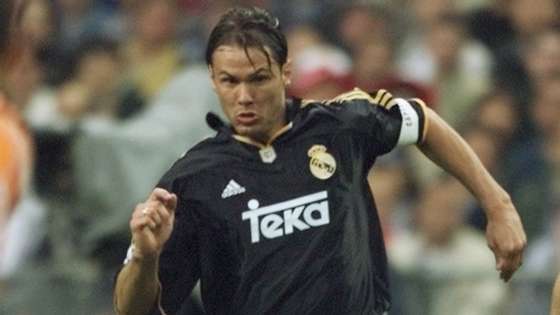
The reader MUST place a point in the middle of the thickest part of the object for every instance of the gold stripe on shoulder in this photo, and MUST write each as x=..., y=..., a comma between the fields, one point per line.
x=355, y=94
x=383, y=98
x=386, y=99
x=391, y=103
x=378, y=95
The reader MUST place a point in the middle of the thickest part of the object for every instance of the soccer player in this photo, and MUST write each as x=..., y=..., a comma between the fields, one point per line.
x=273, y=214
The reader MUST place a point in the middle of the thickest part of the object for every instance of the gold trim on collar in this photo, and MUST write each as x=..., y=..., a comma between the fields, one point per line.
x=261, y=145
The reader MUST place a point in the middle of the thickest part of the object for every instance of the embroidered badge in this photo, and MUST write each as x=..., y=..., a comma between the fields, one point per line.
x=322, y=164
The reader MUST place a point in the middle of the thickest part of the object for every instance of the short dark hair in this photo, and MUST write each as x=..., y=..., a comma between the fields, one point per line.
x=249, y=27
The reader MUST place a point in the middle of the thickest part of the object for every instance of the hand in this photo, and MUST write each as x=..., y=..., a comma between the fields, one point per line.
x=152, y=223
x=507, y=240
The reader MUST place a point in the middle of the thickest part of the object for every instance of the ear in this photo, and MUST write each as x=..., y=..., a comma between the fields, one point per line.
x=212, y=76
x=287, y=72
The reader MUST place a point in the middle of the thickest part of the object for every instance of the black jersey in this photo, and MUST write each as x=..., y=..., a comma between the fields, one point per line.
x=290, y=227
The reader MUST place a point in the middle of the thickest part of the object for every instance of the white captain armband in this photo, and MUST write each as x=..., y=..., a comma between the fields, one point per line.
x=410, y=127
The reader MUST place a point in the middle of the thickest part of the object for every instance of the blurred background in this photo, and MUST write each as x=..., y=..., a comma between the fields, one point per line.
x=108, y=93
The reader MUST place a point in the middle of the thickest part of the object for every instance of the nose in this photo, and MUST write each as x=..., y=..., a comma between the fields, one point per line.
x=244, y=94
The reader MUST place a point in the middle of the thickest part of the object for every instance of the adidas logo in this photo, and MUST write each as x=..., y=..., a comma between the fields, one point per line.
x=232, y=189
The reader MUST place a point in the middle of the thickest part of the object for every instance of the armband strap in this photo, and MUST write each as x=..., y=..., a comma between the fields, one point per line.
x=424, y=121
x=410, y=127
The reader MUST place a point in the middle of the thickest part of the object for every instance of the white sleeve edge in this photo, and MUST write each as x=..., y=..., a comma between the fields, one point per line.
x=410, y=126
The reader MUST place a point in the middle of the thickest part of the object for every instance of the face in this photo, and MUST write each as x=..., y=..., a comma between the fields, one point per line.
x=252, y=94
x=439, y=211
x=543, y=59
x=445, y=42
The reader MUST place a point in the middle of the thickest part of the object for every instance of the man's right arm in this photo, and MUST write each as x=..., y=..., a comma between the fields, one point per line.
x=137, y=286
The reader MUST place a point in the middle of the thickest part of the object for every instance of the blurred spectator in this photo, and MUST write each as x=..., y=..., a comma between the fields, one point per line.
x=448, y=255
x=486, y=143
x=41, y=29
x=321, y=72
x=361, y=24
x=461, y=68
x=84, y=19
x=492, y=26
x=122, y=154
x=545, y=111
x=374, y=68
x=22, y=215
x=197, y=19
x=38, y=23
x=499, y=113
x=393, y=191
x=531, y=62
x=93, y=89
x=152, y=53
x=541, y=263
x=528, y=18
x=542, y=55
x=25, y=79
x=531, y=173
x=456, y=67
x=97, y=78
x=28, y=75
x=301, y=37
x=437, y=51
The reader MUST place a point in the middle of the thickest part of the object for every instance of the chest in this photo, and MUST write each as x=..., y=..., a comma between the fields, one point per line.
x=291, y=198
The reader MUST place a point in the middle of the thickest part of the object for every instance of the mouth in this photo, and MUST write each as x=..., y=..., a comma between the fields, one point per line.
x=246, y=118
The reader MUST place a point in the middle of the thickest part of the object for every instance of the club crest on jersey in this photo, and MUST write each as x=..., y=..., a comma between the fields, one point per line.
x=321, y=164
x=286, y=217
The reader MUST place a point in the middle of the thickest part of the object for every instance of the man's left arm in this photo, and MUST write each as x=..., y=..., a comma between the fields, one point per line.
x=504, y=231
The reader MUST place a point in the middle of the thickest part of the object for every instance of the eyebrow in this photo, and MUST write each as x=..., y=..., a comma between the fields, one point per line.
x=255, y=73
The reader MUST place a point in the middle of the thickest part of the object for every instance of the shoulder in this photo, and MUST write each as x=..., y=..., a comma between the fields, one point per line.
x=353, y=99
x=207, y=154
x=354, y=104
x=353, y=110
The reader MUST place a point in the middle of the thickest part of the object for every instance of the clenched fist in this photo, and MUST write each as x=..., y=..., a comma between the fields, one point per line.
x=152, y=223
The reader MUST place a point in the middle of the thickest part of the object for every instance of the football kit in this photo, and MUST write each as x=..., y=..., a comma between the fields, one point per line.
x=290, y=226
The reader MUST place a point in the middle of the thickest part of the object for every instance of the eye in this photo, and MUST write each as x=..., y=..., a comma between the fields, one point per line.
x=260, y=78
x=227, y=80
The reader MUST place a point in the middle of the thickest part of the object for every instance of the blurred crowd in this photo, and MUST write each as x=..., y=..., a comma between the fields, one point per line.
x=107, y=94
